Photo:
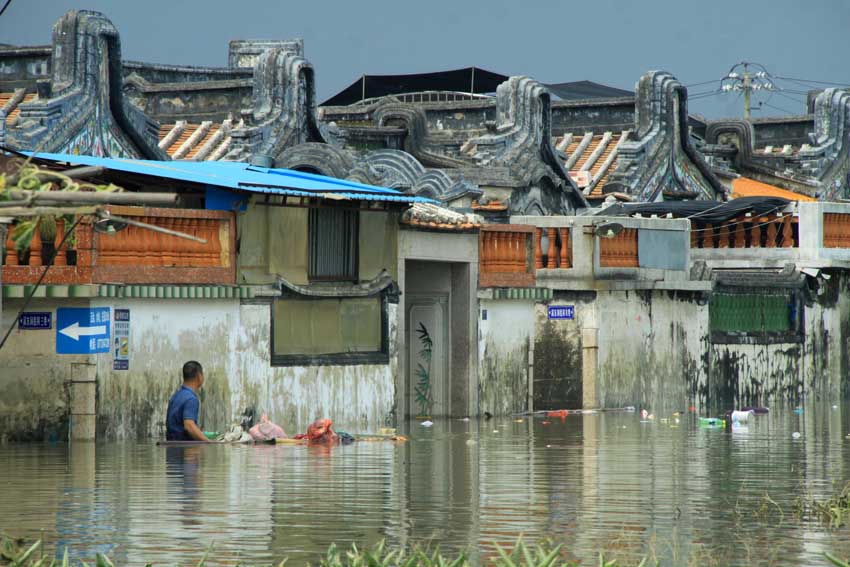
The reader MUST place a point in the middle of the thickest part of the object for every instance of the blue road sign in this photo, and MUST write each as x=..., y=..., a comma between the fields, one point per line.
x=82, y=330
x=562, y=311
x=35, y=321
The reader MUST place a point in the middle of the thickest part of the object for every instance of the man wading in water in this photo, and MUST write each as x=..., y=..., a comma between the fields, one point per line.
x=181, y=422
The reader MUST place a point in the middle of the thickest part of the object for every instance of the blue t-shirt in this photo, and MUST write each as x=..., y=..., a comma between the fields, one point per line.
x=184, y=404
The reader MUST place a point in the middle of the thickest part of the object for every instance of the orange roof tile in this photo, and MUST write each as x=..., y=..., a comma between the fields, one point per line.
x=16, y=110
x=202, y=142
x=746, y=187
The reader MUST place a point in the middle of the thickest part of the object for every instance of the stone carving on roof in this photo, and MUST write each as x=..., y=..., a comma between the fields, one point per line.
x=522, y=141
x=657, y=160
x=817, y=169
x=400, y=170
x=411, y=118
x=829, y=159
x=81, y=108
x=284, y=107
x=316, y=157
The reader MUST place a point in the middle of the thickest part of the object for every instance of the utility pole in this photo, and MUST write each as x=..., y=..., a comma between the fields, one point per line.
x=740, y=78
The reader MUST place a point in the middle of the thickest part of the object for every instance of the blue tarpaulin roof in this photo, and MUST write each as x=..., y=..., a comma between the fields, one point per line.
x=239, y=176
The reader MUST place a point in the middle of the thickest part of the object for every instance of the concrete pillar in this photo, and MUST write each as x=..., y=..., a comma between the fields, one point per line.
x=83, y=402
x=589, y=362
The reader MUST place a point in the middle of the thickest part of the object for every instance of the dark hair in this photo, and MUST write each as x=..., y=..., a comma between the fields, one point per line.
x=191, y=370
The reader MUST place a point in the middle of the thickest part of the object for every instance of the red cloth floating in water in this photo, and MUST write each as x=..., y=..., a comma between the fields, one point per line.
x=320, y=431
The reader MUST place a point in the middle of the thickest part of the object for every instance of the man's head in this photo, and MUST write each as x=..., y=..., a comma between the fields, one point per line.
x=193, y=374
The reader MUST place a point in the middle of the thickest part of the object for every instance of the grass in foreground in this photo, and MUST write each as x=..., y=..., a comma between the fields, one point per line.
x=15, y=553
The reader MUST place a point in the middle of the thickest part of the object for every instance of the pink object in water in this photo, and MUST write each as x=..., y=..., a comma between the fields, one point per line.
x=266, y=430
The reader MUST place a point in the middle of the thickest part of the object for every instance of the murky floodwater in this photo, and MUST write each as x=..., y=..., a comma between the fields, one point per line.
x=603, y=481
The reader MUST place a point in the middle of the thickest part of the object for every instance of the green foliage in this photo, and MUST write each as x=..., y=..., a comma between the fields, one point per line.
x=29, y=177
x=834, y=511
x=423, y=393
x=14, y=553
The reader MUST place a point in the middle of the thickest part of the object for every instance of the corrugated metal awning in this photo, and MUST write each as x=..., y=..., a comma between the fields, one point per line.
x=237, y=176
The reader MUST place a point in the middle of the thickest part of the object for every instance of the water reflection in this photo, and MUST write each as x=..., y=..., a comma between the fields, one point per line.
x=601, y=481
x=182, y=471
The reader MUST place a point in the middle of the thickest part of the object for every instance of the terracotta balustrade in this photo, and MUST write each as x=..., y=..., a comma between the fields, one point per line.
x=621, y=251
x=771, y=231
x=135, y=254
x=836, y=230
x=504, y=259
x=35, y=258
x=558, y=253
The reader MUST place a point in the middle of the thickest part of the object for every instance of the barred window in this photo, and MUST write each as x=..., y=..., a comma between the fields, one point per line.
x=333, y=235
x=763, y=315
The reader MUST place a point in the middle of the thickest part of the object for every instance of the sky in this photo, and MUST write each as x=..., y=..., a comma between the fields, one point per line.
x=608, y=41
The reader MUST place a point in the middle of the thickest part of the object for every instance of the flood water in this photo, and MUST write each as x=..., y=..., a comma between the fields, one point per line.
x=592, y=482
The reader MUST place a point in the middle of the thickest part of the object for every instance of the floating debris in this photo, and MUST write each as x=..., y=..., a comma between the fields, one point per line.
x=711, y=422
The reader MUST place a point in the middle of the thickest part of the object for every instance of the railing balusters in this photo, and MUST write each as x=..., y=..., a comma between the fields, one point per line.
x=35, y=248
x=566, y=250
x=538, y=248
x=60, y=257
x=11, y=251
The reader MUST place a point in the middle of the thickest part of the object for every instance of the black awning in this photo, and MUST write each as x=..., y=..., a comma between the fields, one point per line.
x=586, y=89
x=467, y=80
x=702, y=211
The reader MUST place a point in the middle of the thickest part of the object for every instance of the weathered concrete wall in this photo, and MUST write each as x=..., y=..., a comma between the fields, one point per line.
x=273, y=240
x=503, y=350
x=230, y=339
x=598, y=117
x=558, y=352
x=378, y=244
x=651, y=349
x=34, y=380
x=756, y=374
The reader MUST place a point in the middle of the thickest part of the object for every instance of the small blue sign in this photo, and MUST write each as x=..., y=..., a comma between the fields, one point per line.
x=35, y=321
x=562, y=311
x=82, y=330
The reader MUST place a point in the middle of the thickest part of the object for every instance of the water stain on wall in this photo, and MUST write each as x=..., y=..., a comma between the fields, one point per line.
x=557, y=367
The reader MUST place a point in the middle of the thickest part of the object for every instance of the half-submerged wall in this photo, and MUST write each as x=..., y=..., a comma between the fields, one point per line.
x=230, y=337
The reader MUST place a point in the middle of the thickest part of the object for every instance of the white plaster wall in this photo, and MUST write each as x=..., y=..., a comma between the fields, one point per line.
x=503, y=343
x=650, y=349
x=34, y=380
x=232, y=342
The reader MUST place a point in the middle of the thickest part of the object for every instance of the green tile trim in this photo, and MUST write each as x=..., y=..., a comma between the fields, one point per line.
x=525, y=293
x=199, y=292
x=18, y=291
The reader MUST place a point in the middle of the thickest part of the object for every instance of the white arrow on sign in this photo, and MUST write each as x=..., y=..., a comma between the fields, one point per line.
x=75, y=331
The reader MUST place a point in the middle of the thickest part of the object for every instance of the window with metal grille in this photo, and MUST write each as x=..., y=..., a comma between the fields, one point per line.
x=332, y=237
x=754, y=315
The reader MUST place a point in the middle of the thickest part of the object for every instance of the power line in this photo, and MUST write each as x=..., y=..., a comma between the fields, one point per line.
x=782, y=94
x=702, y=83
x=777, y=108
x=802, y=81
x=6, y=5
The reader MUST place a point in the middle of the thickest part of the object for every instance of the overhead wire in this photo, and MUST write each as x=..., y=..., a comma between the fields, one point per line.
x=803, y=81
x=703, y=83
x=6, y=5
x=773, y=106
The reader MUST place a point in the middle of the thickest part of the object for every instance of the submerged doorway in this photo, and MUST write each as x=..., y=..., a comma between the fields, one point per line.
x=427, y=358
x=434, y=378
